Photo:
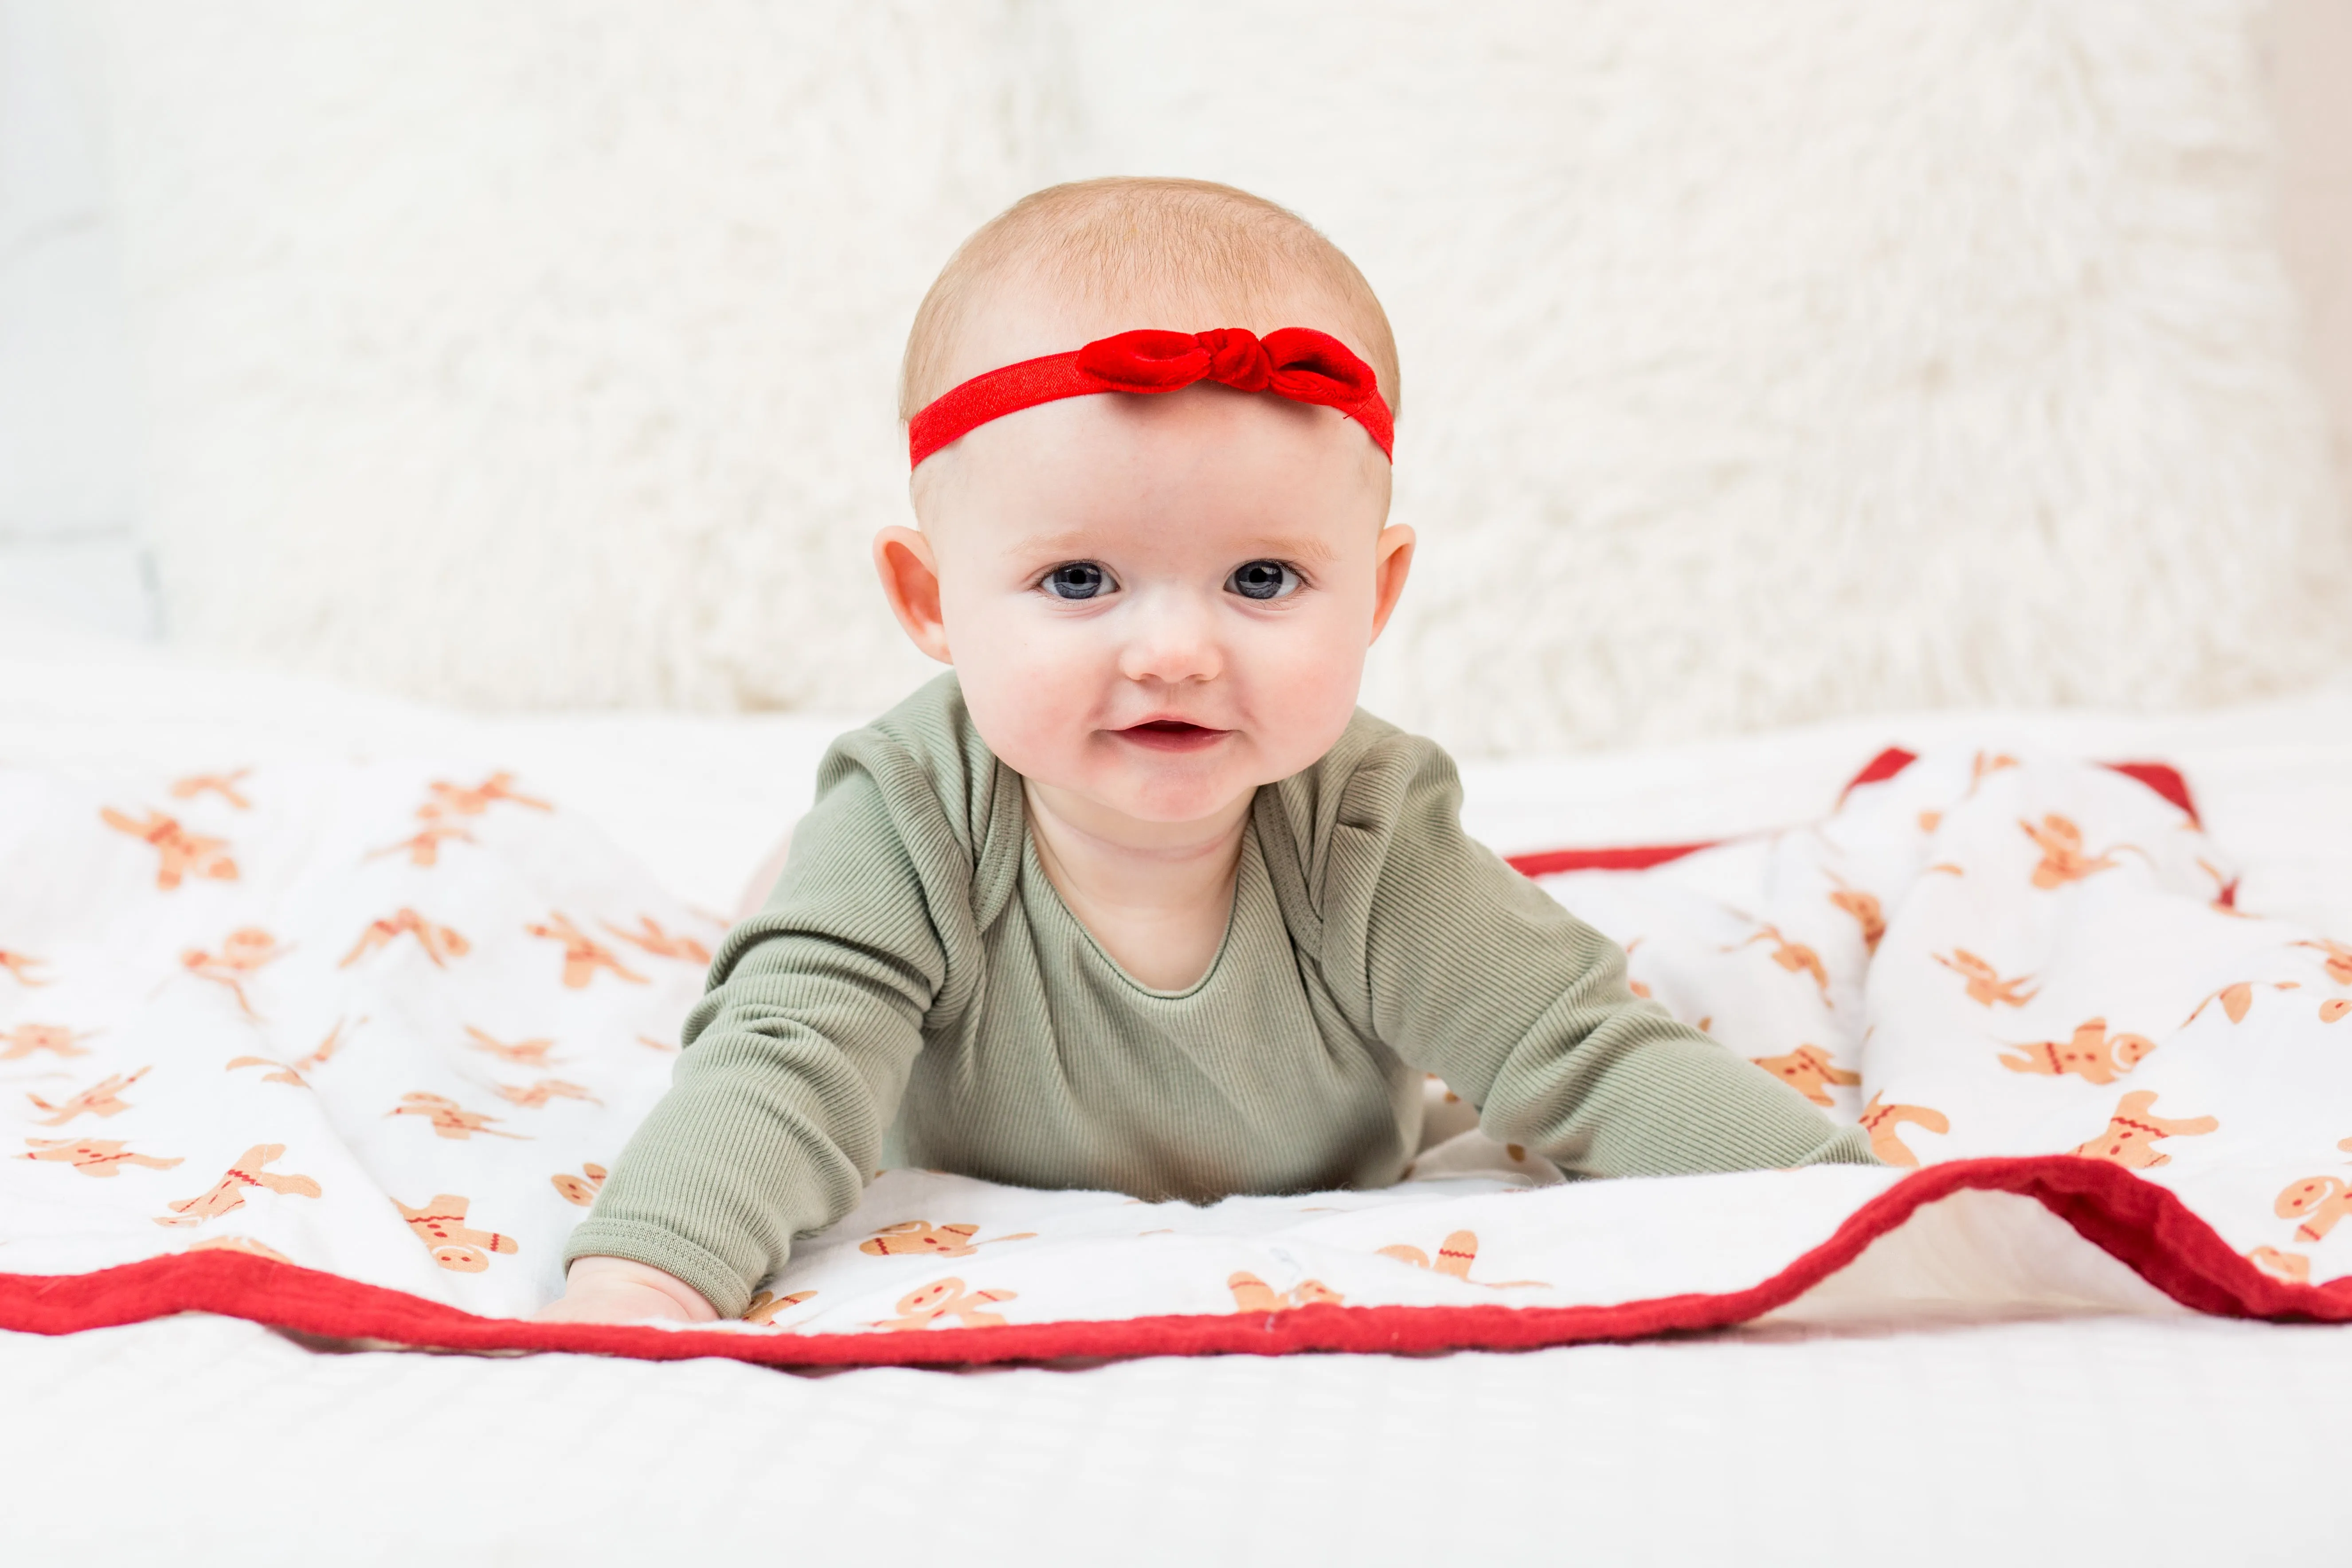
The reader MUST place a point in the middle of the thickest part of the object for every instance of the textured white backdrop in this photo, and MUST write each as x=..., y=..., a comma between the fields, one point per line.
x=1760, y=362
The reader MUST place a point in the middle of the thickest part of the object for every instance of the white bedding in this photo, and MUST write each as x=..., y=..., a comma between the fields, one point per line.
x=1819, y=1437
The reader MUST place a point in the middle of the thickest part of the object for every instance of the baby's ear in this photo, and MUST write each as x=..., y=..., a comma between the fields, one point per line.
x=910, y=581
x=1393, y=563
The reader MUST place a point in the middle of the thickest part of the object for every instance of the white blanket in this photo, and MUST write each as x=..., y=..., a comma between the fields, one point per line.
x=391, y=1022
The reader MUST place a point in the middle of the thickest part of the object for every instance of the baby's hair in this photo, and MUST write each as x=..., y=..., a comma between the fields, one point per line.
x=1226, y=255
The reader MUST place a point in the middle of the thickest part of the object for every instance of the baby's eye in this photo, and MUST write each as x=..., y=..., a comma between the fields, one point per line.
x=1261, y=580
x=1078, y=580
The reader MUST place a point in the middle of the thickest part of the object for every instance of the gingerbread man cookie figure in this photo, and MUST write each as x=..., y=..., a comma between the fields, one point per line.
x=1254, y=1295
x=228, y=1194
x=2237, y=1000
x=327, y=1047
x=441, y=1225
x=767, y=1306
x=2338, y=960
x=521, y=1053
x=583, y=955
x=581, y=1189
x=661, y=943
x=456, y=800
x=284, y=1074
x=2062, y=857
x=2319, y=1202
x=1986, y=987
x=94, y=1156
x=19, y=967
x=448, y=1118
x=540, y=1093
x=919, y=1236
x=1885, y=1124
x=55, y=1039
x=244, y=1244
x=244, y=952
x=2093, y=1054
x=424, y=845
x=1793, y=956
x=2287, y=1267
x=948, y=1298
x=222, y=784
x=101, y=1099
x=1808, y=1071
x=1455, y=1256
x=440, y=941
x=1866, y=908
x=2130, y=1138
x=182, y=854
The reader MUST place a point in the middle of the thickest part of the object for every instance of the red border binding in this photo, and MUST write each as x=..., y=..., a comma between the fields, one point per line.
x=2162, y=777
x=2142, y=1225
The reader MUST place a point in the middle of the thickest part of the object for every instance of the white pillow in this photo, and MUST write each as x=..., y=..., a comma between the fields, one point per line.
x=1760, y=362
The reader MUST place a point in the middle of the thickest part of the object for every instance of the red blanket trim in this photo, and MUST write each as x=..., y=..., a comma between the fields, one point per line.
x=2162, y=777
x=2139, y=1222
x=1544, y=863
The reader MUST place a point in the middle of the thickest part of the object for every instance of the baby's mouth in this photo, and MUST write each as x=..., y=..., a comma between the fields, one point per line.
x=1173, y=735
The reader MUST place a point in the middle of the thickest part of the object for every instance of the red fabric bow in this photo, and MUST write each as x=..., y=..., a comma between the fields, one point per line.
x=1296, y=363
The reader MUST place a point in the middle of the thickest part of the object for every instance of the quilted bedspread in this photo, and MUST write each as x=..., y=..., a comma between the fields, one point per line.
x=348, y=1048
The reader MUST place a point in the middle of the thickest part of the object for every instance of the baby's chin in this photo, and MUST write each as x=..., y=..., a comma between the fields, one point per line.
x=1159, y=785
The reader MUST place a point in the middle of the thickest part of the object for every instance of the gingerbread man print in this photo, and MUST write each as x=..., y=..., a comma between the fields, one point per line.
x=101, y=1099
x=1254, y=1295
x=456, y=800
x=244, y=953
x=227, y=1194
x=2063, y=860
x=1885, y=1124
x=2132, y=1131
x=2319, y=1202
x=650, y=936
x=1793, y=956
x=1986, y=987
x=182, y=854
x=55, y=1039
x=944, y=1299
x=440, y=941
x=456, y=1246
x=580, y=1190
x=222, y=784
x=2093, y=1054
x=93, y=1156
x=448, y=1118
x=583, y=955
x=1808, y=1070
x=918, y=1236
x=19, y=967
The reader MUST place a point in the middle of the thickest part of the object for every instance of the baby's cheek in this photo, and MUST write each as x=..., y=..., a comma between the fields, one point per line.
x=1030, y=700
x=1303, y=692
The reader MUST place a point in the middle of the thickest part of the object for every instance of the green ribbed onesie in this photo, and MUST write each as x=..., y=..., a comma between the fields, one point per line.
x=915, y=990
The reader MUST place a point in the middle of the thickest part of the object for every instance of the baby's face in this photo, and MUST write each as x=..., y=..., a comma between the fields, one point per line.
x=1154, y=604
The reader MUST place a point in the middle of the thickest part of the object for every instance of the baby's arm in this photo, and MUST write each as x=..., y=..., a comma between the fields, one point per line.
x=794, y=1065
x=1472, y=972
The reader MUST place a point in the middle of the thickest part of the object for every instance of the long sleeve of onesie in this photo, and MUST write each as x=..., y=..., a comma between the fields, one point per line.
x=1468, y=970
x=795, y=1059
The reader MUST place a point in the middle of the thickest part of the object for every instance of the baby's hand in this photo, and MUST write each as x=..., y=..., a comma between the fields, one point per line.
x=616, y=1291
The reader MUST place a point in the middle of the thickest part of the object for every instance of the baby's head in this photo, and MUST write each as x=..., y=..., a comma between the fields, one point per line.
x=1154, y=604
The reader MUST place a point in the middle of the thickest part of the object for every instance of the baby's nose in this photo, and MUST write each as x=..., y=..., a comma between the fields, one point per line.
x=1170, y=637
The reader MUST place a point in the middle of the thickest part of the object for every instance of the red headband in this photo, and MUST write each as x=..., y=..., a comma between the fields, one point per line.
x=1296, y=363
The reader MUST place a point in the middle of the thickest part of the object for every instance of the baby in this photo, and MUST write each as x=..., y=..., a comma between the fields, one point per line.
x=1135, y=898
